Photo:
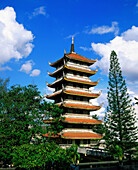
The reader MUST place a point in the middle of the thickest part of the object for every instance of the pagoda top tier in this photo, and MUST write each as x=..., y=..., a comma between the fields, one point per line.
x=73, y=56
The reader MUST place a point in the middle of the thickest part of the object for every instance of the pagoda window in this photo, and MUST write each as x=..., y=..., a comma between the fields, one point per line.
x=71, y=72
x=70, y=97
x=85, y=141
x=85, y=112
x=70, y=84
x=70, y=126
x=70, y=110
x=81, y=74
x=81, y=86
x=78, y=111
x=69, y=141
x=84, y=75
x=85, y=87
x=74, y=85
x=85, y=99
x=77, y=142
x=78, y=98
x=74, y=73
x=78, y=85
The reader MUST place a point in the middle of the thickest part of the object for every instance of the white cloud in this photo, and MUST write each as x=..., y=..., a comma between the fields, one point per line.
x=15, y=40
x=137, y=4
x=131, y=34
x=73, y=35
x=105, y=29
x=86, y=49
x=127, y=51
x=27, y=67
x=49, y=90
x=5, y=68
x=38, y=11
x=35, y=72
x=102, y=99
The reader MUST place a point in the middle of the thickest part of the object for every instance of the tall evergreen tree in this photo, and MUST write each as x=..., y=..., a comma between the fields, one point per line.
x=120, y=129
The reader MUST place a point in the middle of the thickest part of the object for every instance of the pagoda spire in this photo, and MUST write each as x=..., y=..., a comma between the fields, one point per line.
x=72, y=45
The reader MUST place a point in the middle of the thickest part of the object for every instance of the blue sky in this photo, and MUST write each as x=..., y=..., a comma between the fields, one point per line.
x=33, y=32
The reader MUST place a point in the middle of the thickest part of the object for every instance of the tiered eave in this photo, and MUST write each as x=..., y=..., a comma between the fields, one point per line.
x=73, y=56
x=73, y=80
x=58, y=71
x=74, y=93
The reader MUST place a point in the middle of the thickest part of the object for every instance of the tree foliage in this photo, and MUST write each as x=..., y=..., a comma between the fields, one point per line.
x=136, y=100
x=3, y=85
x=99, y=128
x=72, y=151
x=22, y=111
x=120, y=129
x=43, y=156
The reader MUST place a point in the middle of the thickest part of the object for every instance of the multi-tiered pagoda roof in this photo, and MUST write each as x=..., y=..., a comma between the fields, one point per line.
x=72, y=93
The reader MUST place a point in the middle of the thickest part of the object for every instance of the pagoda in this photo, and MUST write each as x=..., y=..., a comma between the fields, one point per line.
x=72, y=93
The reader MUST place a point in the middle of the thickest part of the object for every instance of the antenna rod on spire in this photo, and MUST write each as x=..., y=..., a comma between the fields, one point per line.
x=72, y=40
x=72, y=45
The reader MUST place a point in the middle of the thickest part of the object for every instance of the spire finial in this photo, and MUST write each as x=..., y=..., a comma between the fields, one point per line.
x=72, y=45
x=72, y=40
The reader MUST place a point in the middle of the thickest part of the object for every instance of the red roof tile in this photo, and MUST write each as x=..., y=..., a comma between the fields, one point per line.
x=80, y=135
x=89, y=107
x=82, y=93
x=93, y=95
x=53, y=64
x=83, y=70
x=82, y=81
x=81, y=120
x=76, y=135
x=74, y=56
x=92, y=83
x=79, y=57
x=73, y=68
x=54, y=94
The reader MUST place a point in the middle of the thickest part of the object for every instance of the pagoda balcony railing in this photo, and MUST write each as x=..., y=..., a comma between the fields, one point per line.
x=78, y=102
x=74, y=101
x=71, y=64
x=73, y=77
x=77, y=77
x=78, y=88
x=77, y=130
x=74, y=115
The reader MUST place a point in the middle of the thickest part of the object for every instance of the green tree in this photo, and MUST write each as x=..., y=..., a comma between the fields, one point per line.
x=120, y=129
x=99, y=128
x=43, y=156
x=3, y=85
x=136, y=100
x=72, y=151
x=22, y=111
